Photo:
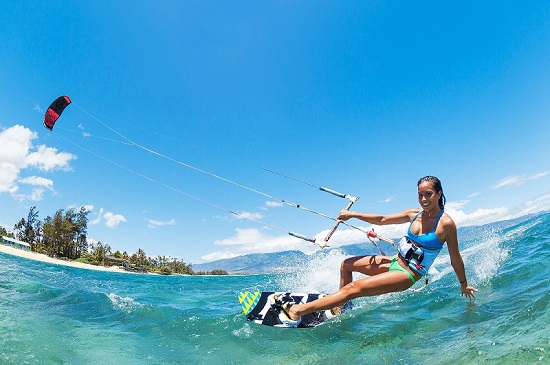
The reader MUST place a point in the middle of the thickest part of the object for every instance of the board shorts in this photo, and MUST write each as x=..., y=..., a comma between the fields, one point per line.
x=394, y=266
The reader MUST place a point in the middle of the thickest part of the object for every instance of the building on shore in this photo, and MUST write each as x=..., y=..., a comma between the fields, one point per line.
x=115, y=261
x=15, y=243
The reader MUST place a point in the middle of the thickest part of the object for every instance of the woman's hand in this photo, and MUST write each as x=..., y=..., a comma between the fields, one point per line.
x=344, y=215
x=468, y=291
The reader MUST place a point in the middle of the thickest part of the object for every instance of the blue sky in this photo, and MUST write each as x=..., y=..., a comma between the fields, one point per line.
x=363, y=98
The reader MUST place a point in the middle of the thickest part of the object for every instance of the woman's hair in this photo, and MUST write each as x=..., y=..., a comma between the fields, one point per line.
x=437, y=186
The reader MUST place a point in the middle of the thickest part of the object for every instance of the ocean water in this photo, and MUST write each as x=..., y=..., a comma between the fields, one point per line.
x=51, y=314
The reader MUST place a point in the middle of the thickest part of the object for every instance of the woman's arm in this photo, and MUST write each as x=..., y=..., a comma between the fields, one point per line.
x=456, y=259
x=379, y=219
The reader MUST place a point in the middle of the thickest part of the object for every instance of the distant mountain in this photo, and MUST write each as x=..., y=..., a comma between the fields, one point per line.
x=265, y=263
x=257, y=263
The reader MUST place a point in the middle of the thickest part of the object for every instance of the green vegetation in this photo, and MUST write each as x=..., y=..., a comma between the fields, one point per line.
x=64, y=236
x=5, y=233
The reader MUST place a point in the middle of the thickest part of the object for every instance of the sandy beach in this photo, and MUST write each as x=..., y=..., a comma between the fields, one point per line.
x=44, y=258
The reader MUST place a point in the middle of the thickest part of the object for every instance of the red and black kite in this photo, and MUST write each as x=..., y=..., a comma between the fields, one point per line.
x=55, y=110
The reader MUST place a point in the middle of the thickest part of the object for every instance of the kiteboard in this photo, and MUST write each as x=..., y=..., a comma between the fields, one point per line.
x=258, y=309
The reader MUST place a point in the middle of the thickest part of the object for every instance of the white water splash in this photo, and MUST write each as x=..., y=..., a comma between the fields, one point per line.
x=482, y=259
x=318, y=274
x=244, y=332
x=124, y=304
x=488, y=258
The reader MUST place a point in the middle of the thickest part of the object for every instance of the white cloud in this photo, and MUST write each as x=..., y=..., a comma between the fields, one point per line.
x=453, y=206
x=243, y=237
x=535, y=205
x=48, y=159
x=36, y=195
x=220, y=255
x=91, y=241
x=88, y=207
x=155, y=224
x=517, y=180
x=249, y=215
x=273, y=204
x=253, y=240
x=478, y=217
x=490, y=215
x=387, y=200
x=93, y=222
x=112, y=220
x=17, y=153
x=37, y=181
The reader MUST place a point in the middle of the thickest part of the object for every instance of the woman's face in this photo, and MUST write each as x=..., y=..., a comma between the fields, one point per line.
x=427, y=196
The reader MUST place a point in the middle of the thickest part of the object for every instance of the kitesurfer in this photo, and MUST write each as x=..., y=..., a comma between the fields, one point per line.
x=430, y=228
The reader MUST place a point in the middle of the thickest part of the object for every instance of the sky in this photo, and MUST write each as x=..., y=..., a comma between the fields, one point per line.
x=186, y=111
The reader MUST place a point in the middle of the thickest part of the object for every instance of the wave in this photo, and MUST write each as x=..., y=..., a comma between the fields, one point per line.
x=125, y=304
x=146, y=319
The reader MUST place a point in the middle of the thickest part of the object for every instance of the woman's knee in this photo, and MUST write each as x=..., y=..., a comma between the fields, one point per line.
x=350, y=264
x=347, y=264
x=351, y=291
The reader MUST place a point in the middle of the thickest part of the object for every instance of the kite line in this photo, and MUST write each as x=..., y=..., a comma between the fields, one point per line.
x=57, y=107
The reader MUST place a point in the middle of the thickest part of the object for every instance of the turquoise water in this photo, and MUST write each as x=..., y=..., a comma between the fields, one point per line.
x=51, y=314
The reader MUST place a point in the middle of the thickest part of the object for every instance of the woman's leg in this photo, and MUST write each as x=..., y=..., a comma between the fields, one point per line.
x=383, y=283
x=368, y=265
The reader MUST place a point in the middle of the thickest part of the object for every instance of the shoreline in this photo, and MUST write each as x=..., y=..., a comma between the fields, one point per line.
x=45, y=258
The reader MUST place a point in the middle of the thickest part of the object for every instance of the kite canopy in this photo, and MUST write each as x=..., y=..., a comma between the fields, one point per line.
x=55, y=110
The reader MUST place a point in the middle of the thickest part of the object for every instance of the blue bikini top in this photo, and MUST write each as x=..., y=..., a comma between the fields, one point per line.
x=428, y=240
x=420, y=250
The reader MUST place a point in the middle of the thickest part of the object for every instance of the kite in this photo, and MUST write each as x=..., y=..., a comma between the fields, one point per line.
x=55, y=110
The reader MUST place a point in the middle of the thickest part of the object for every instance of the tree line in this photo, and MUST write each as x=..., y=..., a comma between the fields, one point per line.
x=64, y=236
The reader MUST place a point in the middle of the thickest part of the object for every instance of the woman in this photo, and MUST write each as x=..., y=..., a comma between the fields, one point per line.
x=429, y=229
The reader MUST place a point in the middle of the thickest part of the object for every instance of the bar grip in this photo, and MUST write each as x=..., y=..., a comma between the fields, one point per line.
x=337, y=223
x=297, y=235
x=327, y=190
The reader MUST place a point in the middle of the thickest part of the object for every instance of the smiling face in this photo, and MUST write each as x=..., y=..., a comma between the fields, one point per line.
x=428, y=197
